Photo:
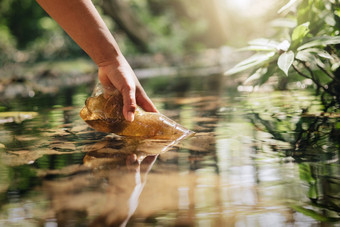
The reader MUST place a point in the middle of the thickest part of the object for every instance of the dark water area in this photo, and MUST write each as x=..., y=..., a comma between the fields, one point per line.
x=257, y=159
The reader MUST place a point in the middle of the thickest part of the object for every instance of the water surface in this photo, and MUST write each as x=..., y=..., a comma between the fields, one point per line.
x=258, y=159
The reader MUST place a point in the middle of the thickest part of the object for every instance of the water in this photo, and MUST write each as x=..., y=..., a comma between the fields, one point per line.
x=258, y=159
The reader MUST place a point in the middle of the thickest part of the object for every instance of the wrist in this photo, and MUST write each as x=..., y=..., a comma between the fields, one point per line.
x=114, y=59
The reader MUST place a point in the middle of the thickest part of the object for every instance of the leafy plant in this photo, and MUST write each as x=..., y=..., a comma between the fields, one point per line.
x=306, y=45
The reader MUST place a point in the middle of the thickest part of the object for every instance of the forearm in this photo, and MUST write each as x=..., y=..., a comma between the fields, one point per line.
x=80, y=19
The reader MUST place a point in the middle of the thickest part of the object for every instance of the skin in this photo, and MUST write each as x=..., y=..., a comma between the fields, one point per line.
x=81, y=20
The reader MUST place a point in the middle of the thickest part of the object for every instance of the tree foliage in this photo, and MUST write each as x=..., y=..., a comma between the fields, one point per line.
x=306, y=44
x=139, y=26
x=28, y=34
x=21, y=18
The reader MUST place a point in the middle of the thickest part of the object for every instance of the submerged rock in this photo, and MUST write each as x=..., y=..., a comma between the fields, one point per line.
x=104, y=113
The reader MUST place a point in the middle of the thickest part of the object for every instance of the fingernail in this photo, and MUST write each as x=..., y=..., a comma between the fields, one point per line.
x=130, y=116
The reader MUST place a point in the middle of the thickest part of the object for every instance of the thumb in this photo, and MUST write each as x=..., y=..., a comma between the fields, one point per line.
x=105, y=82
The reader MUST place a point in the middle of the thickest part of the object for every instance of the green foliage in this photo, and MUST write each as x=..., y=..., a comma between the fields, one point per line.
x=170, y=23
x=23, y=25
x=285, y=61
x=307, y=176
x=313, y=214
x=28, y=34
x=310, y=49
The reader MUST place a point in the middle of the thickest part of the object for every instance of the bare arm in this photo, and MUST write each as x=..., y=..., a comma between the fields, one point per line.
x=80, y=19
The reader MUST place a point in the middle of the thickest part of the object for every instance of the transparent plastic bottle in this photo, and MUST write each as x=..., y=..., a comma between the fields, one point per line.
x=104, y=113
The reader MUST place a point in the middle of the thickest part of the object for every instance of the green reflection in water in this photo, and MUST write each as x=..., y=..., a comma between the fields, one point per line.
x=258, y=159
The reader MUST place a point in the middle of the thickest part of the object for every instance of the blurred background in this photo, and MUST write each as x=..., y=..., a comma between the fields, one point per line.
x=147, y=26
x=269, y=156
x=151, y=33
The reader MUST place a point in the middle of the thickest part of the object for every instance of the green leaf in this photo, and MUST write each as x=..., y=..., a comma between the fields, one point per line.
x=287, y=6
x=300, y=32
x=267, y=45
x=321, y=41
x=319, y=52
x=257, y=48
x=283, y=46
x=319, y=4
x=285, y=61
x=310, y=56
x=284, y=23
x=335, y=66
x=305, y=56
x=337, y=12
x=271, y=69
x=262, y=75
x=329, y=19
x=264, y=42
x=255, y=60
x=305, y=11
x=256, y=75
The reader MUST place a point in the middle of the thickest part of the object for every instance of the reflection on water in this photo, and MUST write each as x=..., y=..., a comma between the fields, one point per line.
x=256, y=160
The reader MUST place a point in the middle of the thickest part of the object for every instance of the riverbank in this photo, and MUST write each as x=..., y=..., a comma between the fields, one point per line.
x=26, y=80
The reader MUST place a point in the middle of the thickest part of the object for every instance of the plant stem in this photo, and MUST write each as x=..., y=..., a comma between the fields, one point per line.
x=312, y=78
x=316, y=80
x=299, y=72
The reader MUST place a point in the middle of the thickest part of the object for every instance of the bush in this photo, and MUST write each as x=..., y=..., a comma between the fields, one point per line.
x=306, y=46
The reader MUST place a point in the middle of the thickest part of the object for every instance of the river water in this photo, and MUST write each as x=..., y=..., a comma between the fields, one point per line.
x=257, y=159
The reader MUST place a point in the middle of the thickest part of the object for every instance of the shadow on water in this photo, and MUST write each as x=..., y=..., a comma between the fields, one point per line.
x=257, y=159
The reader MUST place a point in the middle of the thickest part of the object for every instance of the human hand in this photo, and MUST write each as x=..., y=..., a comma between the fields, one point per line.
x=118, y=74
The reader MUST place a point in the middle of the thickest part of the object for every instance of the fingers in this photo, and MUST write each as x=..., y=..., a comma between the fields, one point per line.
x=129, y=103
x=127, y=83
x=144, y=101
x=112, y=79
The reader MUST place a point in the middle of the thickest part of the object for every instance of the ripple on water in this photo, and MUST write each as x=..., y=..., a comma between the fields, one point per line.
x=243, y=166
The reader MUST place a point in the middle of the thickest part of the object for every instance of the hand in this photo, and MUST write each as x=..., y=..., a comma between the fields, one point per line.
x=83, y=23
x=117, y=74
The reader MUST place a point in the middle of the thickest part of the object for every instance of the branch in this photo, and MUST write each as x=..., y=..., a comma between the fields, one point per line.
x=312, y=78
x=310, y=71
x=301, y=73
